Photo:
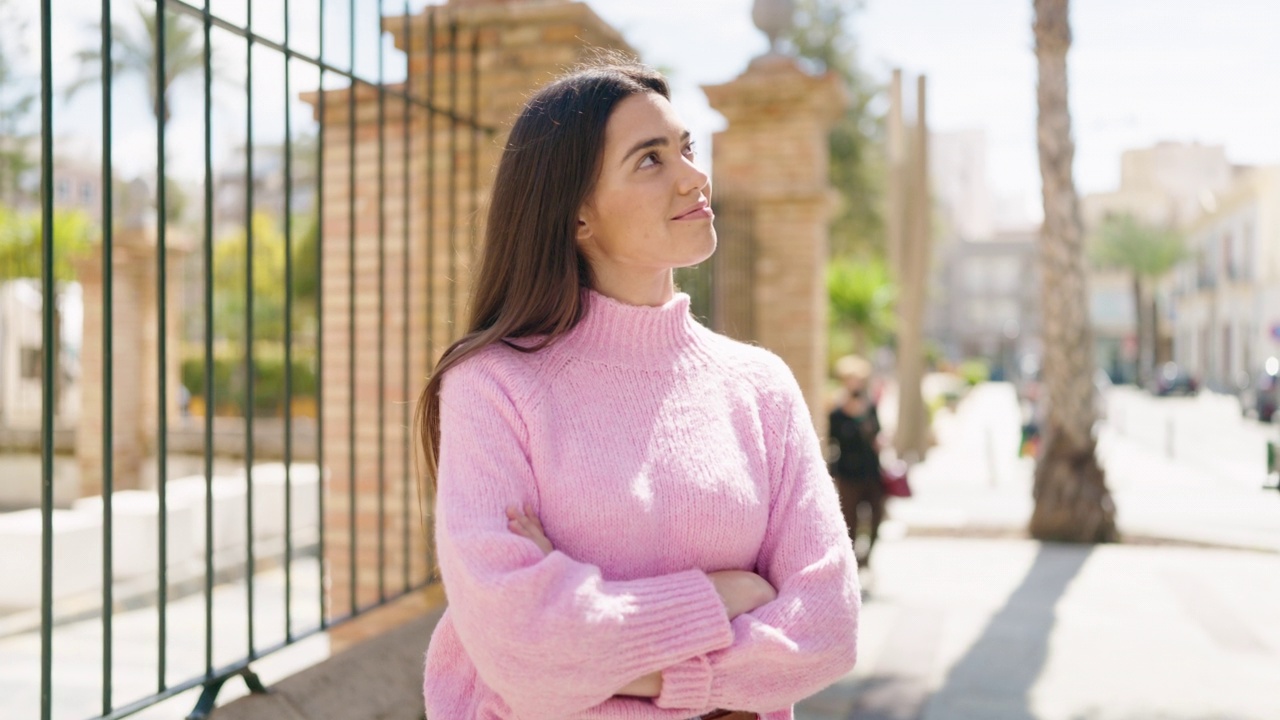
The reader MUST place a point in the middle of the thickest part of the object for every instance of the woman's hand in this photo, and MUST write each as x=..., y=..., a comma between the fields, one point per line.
x=525, y=523
x=742, y=591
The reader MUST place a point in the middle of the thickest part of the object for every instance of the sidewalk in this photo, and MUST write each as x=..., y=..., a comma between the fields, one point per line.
x=965, y=619
x=973, y=483
x=1014, y=630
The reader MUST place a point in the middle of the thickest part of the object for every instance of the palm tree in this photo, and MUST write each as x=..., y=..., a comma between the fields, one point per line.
x=1147, y=253
x=136, y=55
x=1072, y=502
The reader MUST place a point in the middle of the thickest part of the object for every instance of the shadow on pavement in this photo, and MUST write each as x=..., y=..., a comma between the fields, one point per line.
x=993, y=680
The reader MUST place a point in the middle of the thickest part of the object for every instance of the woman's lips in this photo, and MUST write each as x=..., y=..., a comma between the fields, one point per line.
x=701, y=212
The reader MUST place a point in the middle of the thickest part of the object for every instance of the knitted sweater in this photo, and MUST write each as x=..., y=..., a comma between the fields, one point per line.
x=654, y=451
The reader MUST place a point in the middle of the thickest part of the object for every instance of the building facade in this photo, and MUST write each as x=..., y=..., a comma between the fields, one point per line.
x=1226, y=294
x=1166, y=185
x=987, y=301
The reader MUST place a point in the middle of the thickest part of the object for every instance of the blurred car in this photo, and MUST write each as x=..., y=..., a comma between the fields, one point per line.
x=1174, y=380
x=1260, y=395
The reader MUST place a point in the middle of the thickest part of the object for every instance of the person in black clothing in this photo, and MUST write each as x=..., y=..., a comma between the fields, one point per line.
x=854, y=430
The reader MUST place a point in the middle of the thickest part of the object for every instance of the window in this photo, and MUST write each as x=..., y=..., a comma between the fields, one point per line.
x=1228, y=259
x=1248, y=259
x=31, y=366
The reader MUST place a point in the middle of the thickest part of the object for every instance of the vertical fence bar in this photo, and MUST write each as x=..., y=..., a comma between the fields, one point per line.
x=319, y=383
x=453, y=179
x=108, y=366
x=431, y=229
x=288, y=340
x=351, y=309
x=46, y=389
x=382, y=320
x=320, y=239
x=162, y=350
x=248, y=323
x=406, y=154
x=209, y=399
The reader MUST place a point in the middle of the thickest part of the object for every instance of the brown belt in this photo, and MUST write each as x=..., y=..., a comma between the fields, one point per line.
x=729, y=715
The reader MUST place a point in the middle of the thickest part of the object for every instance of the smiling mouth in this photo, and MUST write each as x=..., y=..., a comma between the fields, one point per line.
x=702, y=210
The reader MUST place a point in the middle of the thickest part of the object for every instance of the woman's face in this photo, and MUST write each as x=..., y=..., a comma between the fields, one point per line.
x=650, y=209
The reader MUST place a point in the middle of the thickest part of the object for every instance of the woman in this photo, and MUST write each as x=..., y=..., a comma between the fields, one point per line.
x=633, y=517
x=855, y=429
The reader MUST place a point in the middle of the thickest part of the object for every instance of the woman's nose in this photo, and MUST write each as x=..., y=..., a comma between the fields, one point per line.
x=694, y=178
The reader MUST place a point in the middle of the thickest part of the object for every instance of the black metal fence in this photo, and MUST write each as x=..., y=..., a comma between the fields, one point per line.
x=721, y=288
x=277, y=172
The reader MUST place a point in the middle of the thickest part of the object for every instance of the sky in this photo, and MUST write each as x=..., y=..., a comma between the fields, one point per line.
x=1140, y=72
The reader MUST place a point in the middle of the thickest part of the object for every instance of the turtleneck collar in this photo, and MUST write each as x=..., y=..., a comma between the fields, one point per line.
x=615, y=333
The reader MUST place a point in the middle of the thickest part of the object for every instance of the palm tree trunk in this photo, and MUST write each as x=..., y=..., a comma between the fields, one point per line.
x=1072, y=502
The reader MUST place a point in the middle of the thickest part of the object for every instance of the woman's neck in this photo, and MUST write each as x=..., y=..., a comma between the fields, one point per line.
x=643, y=289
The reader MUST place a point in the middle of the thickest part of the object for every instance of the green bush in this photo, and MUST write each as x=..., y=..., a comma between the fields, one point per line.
x=268, y=379
x=974, y=371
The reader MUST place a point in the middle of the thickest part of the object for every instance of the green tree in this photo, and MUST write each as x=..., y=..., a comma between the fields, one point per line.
x=21, y=242
x=268, y=281
x=820, y=35
x=1147, y=253
x=1072, y=502
x=861, y=300
x=17, y=99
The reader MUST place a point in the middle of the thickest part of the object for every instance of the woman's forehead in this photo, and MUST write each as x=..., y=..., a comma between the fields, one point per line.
x=640, y=117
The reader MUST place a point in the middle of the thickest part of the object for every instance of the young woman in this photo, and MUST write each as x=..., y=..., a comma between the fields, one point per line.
x=633, y=514
x=854, y=428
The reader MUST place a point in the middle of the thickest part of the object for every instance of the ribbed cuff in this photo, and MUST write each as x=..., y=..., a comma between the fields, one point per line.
x=686, y=685
x=676, y=617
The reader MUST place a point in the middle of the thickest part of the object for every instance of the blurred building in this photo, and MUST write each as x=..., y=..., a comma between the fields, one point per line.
x=983, y=301
x=269, y=186
x=1226, y=295
x=958, y=171
x=22, y=356
x=1166, y=185
x=986, y=302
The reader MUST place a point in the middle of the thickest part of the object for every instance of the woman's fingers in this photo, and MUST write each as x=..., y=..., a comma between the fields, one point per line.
x=525, y=523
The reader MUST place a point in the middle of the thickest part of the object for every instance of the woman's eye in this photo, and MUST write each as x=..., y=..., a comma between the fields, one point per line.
x=690, y=151
x=648, y=160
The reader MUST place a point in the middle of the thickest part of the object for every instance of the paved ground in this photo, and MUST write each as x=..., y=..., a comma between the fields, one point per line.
x=1009, y=629
x=973, y=479
x=957, y=629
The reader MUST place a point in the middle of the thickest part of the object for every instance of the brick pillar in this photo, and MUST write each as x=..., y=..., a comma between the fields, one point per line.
x=521, y=46
x=135, y=335
x=773, y=157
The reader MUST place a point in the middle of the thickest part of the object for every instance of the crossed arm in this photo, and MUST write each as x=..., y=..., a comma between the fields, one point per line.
x=741, y=591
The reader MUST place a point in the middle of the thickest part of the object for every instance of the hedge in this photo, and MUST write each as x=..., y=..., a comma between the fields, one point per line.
x=268, y=380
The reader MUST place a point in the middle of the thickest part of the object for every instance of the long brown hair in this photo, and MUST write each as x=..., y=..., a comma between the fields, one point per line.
x=532, y=271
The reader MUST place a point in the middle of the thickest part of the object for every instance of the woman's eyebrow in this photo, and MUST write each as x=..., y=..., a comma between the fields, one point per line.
x=651, y=142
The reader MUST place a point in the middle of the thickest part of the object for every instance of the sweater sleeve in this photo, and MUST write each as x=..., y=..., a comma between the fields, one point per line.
x=547, y=633
x=806, y=639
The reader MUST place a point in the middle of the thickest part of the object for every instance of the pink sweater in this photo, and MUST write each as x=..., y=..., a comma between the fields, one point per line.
x=654, y=451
